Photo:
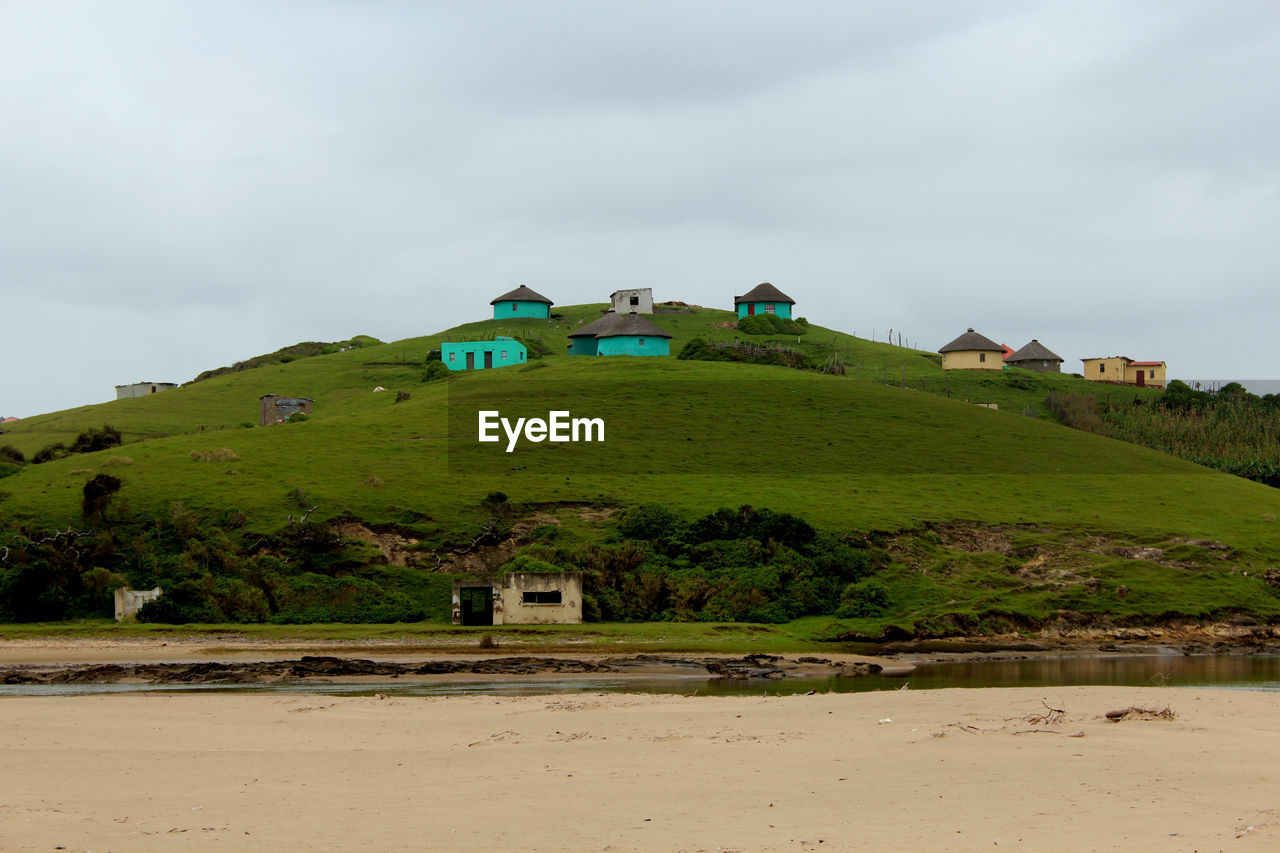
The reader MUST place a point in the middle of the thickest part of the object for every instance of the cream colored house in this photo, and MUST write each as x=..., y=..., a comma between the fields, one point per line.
x=525, y=598
x=1125, y=371
x=972, y=351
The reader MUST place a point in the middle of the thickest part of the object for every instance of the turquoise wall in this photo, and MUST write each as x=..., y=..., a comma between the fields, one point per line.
x=582, y=346
x=454, y=355
x=503, y=310
x=782, y=309
x=630, y=345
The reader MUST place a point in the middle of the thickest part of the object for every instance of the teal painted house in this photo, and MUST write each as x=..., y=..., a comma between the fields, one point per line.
x=620, y=334
x=764, y=299
x=483, y=355
x=521, y=302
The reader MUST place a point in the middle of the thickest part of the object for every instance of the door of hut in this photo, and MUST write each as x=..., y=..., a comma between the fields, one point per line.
x=471, y=361
x=476, y=603
x=488, y=359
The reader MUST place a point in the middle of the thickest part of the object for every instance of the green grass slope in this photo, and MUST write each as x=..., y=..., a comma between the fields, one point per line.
x=847, y=452
x=909, y=469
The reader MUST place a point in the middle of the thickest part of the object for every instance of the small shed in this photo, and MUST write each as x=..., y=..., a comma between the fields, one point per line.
x=639, y=300
x=483, y=355
x=972, y=351
x=763, y=299
x=130, y=601
x=142, y=389
x=1035, y=356
x=524, y=598
x=521, y=302
x=274, y=409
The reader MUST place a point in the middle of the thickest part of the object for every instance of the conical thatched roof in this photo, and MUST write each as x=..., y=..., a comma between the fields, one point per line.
x=521, y=294
x=971, y=340
x=763, y=293
x=632, y=325
x=595, y=327
x=1034, y=351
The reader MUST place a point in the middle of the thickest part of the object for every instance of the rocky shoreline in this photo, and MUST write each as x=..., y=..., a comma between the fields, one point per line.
x=757, y=666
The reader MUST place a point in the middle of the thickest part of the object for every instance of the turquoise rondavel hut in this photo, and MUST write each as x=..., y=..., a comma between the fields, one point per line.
x=620, y=334
x=482, y=355
x=764, y=299
x=521, y=302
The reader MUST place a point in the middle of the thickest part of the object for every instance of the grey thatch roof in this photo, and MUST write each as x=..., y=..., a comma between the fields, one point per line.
x=1034, y=351
x=596, y=326
x=971, y=340
x=521, y=294
x=631, y=325
x=763, y=293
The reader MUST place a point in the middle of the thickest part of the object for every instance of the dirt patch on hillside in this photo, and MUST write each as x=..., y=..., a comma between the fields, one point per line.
x=396, y=548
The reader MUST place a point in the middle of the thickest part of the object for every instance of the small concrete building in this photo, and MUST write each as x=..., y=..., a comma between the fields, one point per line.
x=763, y=299
x=274, y=409
x=620, y=334
x=130, y=601
x=1122, y=370
x=1035, y=356
x=638, y=301
x=525, y=598
x=142, y=389
x=972, y=351
x=521, y=302
x=483, y=355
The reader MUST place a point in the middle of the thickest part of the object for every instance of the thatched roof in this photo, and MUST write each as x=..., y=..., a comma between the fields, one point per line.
x=971, y=340
x=632, y=325
x=521, y=294
x=763, y=293
x=1034, y=351
x=596, y=326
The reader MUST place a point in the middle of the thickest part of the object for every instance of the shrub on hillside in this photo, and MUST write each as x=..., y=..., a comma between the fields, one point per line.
x=96, y=439
x=772, y=324
x=12, y=455
x=435, y=370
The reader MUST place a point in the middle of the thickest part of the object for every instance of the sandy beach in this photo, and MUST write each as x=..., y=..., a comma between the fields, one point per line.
x=944, y=770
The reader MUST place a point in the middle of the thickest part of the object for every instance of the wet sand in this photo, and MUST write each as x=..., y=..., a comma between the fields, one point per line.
x=943, y=770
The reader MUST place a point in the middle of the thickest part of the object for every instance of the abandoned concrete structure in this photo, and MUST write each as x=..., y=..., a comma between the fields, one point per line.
x=142, y=389
x=525, y=598
x=130, y=601
x=275, y=409
x=638, y=300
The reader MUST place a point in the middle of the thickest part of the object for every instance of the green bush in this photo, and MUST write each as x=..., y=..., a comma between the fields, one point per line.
x=864, y=599
x=434, y=371
x=772, y=324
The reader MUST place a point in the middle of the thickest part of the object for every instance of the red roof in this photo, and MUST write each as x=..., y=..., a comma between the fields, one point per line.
x=1008, y=351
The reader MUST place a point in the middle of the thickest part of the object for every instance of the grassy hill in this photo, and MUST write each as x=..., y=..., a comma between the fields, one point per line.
x=849, y=454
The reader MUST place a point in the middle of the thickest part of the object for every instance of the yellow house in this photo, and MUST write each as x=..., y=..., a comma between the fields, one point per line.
x=972, y=351
x=1125, y=371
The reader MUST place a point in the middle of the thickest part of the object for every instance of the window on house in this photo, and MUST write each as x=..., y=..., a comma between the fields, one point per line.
x=769, y=309
x=452, y=355
x=1102, y=368
x=504, y=355
x=642, y=342
x=982, y=358
x=635, y=300
x=541, y=596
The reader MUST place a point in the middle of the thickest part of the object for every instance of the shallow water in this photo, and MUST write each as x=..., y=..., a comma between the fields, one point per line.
x=1255, y=672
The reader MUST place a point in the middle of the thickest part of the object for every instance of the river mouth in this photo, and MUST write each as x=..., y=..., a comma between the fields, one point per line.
x=1254, y=672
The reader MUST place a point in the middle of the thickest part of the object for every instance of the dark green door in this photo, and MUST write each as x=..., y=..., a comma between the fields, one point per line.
x=476, y=603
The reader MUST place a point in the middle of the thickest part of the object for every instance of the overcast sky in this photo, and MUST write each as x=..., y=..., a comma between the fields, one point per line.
x=185, y=184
